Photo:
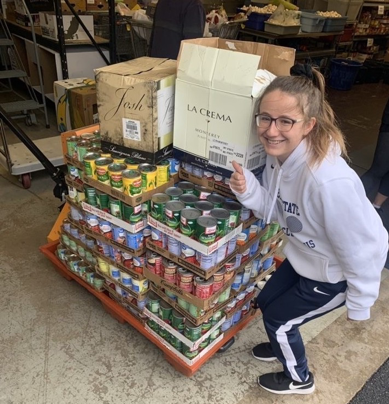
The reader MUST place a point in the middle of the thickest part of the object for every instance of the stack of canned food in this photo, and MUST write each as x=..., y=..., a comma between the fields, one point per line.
x=199, y=172
x=76, y=254
x=123, y=174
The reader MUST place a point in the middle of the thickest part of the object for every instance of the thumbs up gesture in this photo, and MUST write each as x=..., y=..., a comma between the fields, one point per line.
x=238, y=180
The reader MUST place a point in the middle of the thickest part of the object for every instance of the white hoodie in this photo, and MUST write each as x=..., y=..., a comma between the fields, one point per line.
x=334, y=232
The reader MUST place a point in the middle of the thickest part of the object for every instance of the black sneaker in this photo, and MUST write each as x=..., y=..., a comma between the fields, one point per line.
x=264, y=352
x=279, y=383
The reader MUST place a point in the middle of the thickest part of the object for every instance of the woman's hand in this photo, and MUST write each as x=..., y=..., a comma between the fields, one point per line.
x=238, y=180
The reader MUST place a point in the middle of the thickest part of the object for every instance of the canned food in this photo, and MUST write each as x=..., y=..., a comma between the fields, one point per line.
x=140, y=285
x=189, y=200
x=102, y=201
x=149, y=176
x=158, y=202
x=132, y=164
x=118, y=159
x=222, y=217
x=90, y=194
x=72, y=192
x=115, y=171
x=174, y=165
x=165, y=312
x=208, y=175
x=206, y=230
x=73, y=171
x=197, y=171
x=178, y=321
x=119, y=234
x=156, y=236
x=183, y=303
x=201, y=192
x=132, y=214
x=187, y=167
x=82, y=147
x=115, y=207
x=94, y=149
x=90, y=164
x=174, y=193
x=88, y=136
x=188, y=253
x=154, y=264
x=127, y=260
x=71, y=145
x=92, y=222
x=186, y=186
x=153, y=303
x=132, y=182
x=102, y=174
x=184, y=276
x=204, y=207
x=135, y=240
x=173, y=213
x=188, y=221
x=234, y=208
x=203, y=288
x=216, y=199
x=192, y=332
x=206, y=261
x=163, y=172
x=173, y=245
x=245, y=214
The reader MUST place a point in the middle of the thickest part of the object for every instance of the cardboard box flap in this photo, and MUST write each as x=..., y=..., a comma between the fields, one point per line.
x=143, y=68
x=218, y=69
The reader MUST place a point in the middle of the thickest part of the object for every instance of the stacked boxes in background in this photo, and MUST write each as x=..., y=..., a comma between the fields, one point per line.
x=214, y=107
x=136, y=106
x=67, y=118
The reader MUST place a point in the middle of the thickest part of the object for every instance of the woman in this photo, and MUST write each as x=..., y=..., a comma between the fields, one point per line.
x=337, y=244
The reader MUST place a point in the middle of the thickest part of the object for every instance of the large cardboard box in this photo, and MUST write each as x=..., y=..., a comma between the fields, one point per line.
x=72, y=29
x=135, y=102
x=78, y=5
x=61, y=97
x=83, y=106
x=214, y=108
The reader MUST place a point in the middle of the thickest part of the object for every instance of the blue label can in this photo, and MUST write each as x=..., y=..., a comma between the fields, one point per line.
x=135, y=240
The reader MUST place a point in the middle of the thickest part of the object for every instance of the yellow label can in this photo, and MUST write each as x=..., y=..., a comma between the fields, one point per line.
x=163, y=172
x=149, y=176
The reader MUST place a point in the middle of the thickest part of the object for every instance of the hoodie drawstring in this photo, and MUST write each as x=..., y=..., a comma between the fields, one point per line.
x=275, y=195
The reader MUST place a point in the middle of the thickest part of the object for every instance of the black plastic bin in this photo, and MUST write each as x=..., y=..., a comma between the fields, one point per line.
x=343, y=73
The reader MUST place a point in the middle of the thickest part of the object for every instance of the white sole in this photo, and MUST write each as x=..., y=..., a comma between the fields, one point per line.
x=297, y=391
x=264, y=359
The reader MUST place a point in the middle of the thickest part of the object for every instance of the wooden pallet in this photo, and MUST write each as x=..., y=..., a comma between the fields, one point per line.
x=123, y=316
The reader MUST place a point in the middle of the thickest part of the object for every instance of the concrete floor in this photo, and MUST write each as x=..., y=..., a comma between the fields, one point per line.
x=58, y=345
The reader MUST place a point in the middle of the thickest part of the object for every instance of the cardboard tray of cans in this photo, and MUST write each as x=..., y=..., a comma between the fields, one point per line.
x=132, y=228
x=274, y=239
x=129, y=200
x=74, y=162
x=206, y=274
x=246, y=300
x=188, y=297
x=97, y=236
x=220, y=188
x=232, y=331
x=124, y=302
x=183, y=358
x=195, y=320
x=202, y=248
x=138, y=296
x=193, y=345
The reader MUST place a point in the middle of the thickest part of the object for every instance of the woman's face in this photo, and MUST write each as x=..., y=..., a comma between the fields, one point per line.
x=279, y=143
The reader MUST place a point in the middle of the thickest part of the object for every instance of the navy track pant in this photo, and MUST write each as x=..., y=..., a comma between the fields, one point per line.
x=289, y=300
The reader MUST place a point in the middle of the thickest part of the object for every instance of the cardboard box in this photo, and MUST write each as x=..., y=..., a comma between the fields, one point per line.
x=136, y=107
x=214, y=108
x=78, y=5
x=96, y=5
x=22, y=19
x=73, y=31
x=61, y=99
x=83, y=106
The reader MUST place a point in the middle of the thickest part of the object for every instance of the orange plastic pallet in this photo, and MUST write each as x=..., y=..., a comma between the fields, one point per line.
x=120, y=314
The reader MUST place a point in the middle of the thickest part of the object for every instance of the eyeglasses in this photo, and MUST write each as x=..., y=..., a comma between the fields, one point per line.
x=282, y=124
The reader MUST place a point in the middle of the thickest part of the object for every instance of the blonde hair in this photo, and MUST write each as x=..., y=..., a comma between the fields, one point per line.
x=310, y=96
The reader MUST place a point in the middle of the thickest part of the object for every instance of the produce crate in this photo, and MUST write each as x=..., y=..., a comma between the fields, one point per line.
x=311, y=22
x=282, y=29
x=334, y=24
x=257, y=21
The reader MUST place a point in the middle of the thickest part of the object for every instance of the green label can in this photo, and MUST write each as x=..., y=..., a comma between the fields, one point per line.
x=189, y=217
x=176, y=343
x=163, y=172
x=115, y=171
x=102, y=200
x=186, y=186
x=132, y=214
x=216, y=199
x=204, y=207
x=115, y=207
x=234, y=209
x=149, y=176
x=192, y=332
x=132, y=164
x=206, y=229
x=153, y=303
x=173, y=213
x=189, y=200
x=82, y=149
x=222, y=217
x=102, y=164
x=174, y=193
x=201, y=192
x=188, y=353
x=146, y=207
x=165, y=312
x=274, y=227
x=178, y=321
x=158, y=202
x=90, y=194
x=71, y=144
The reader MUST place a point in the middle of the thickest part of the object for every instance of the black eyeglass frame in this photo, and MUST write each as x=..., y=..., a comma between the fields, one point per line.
x=294, y=121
